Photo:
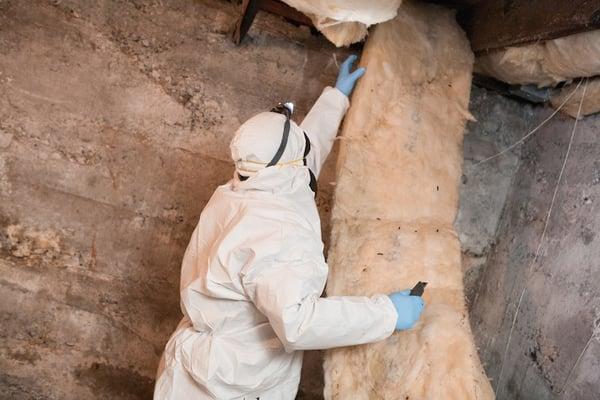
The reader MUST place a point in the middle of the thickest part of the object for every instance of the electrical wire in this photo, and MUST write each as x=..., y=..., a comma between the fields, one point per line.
x=566, y=384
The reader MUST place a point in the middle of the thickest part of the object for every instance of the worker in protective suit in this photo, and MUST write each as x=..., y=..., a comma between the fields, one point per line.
x=253, y=273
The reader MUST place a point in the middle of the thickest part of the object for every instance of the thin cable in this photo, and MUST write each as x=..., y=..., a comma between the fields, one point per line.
x=566, y=384
x=512, y=146
x=593, y=335
x=542, y=237
x=562, y=170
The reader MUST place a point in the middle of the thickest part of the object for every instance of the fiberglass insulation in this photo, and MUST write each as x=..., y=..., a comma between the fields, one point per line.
x=395, y=203
x=546, y=63
x=344, y=22
x=571, y=96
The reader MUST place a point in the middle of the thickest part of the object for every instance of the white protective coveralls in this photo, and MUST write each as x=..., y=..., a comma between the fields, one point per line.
x=254, y=271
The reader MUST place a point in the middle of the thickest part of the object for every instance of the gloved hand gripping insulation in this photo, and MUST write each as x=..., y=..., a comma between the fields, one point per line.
x=346, y=80
x=409, y=309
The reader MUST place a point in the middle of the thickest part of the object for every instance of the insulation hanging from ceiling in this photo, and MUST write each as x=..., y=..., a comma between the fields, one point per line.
x=344, y=22
x=547, y=63
x=591, y=102
x=396, y=199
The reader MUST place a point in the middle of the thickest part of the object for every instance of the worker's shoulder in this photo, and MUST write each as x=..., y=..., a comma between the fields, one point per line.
x=258, y=210
x=242, y=207
x=252, y=202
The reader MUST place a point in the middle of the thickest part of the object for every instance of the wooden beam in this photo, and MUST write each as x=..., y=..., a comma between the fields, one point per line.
x=287, y=12
x=493, y=25
x=457, y=4
x=251, y=7
x=249, y=10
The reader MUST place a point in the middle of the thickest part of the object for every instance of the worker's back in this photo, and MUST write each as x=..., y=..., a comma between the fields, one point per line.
x=225, y=347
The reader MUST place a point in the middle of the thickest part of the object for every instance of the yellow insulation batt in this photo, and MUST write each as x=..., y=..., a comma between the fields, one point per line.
x=546, y=63
x=591, y=102
x=396, y=199
x=344, y=22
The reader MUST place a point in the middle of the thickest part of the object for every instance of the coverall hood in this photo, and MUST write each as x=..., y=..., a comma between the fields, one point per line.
x=257, y=140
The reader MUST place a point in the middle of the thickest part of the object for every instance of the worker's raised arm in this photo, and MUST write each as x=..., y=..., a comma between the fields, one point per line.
x=322, y=122
x=287, y=290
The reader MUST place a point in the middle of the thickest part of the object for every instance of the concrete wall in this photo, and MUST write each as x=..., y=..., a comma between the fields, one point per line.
x=500, y=122
x=503, y=207
x=554, y=351
x=115, y=121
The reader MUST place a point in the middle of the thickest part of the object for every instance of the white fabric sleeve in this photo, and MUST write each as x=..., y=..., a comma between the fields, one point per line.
x=288, y=294
x=321, y=124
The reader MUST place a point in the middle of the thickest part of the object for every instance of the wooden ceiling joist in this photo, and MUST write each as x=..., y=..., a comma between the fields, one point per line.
x=493, y=25
x=251, y=7
x=490, y=24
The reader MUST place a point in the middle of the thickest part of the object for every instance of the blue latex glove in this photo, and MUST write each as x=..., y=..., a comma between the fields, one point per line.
x=409, y=309
x=346, y=80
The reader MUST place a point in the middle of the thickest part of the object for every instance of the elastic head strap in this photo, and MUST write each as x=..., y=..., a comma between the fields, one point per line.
x=282, y=145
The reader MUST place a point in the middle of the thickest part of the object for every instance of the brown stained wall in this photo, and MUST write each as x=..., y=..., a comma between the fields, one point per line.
x=115, y=121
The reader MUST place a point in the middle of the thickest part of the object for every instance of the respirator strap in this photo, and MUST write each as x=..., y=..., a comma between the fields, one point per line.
x=282, y=145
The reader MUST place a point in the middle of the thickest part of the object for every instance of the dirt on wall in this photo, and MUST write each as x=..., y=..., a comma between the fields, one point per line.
x=115, y=122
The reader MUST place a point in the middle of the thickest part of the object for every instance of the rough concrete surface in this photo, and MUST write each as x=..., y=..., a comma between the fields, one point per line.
x=115, y=120
x=554, y=349
x=500, y=122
